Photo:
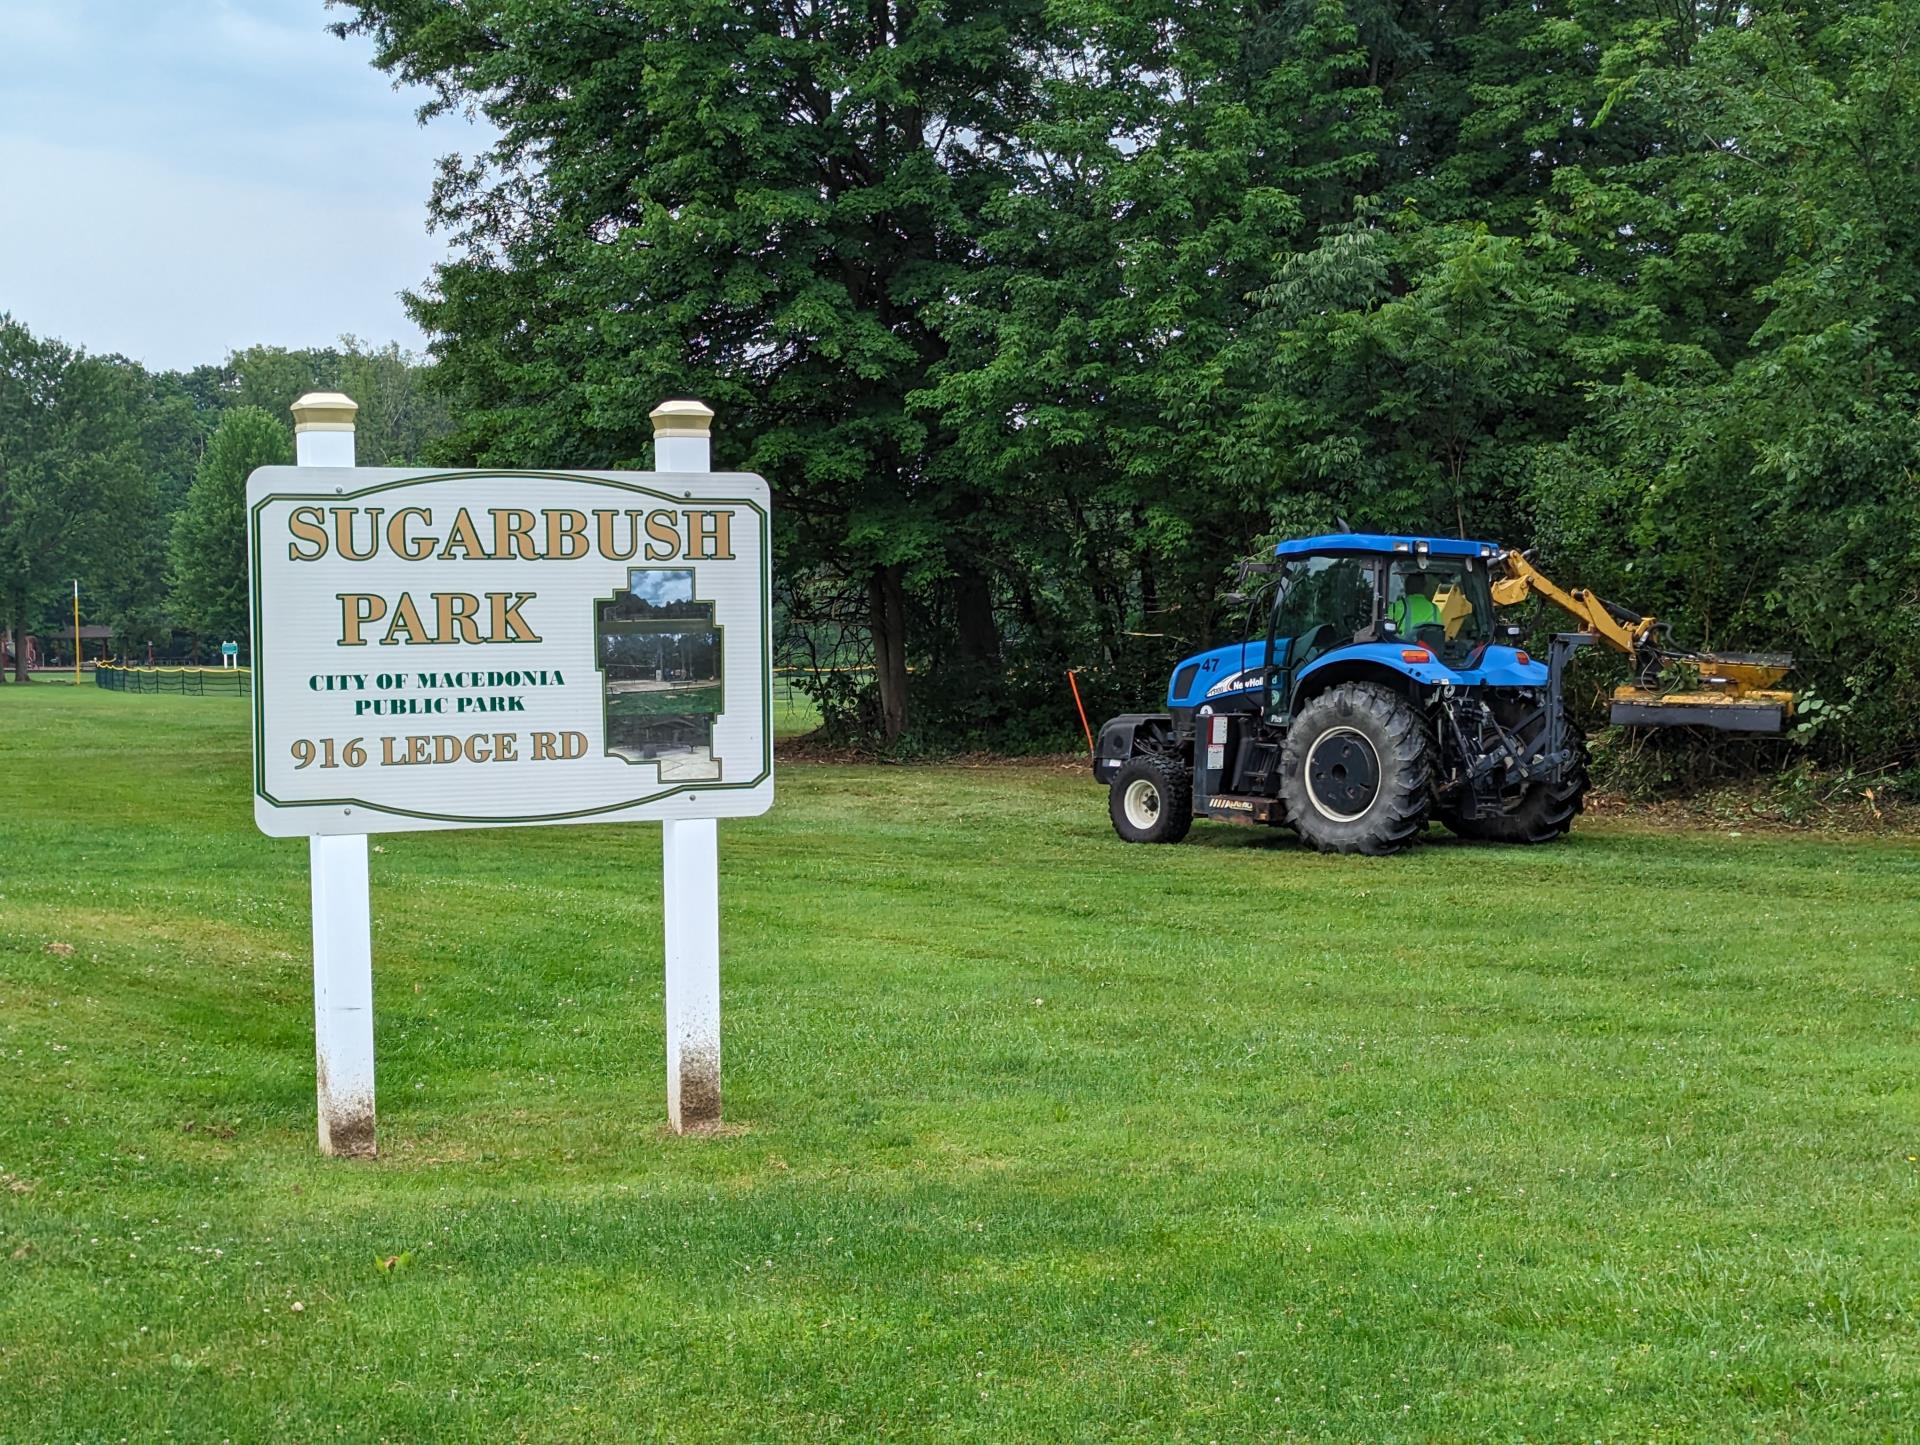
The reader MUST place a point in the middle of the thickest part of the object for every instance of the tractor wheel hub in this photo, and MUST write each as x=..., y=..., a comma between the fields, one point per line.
x=1141, y=802
x=1343, y=774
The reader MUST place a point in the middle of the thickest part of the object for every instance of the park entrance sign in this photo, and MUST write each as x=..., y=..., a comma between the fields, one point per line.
x=477, y=649
x=472, y=649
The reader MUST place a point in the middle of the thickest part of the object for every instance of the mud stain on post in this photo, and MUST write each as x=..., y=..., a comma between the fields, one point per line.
x=697, y=1105
x=350, y=1136
x=346, y=1124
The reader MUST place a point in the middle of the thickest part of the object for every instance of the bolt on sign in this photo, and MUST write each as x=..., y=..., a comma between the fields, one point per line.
x=469, y=649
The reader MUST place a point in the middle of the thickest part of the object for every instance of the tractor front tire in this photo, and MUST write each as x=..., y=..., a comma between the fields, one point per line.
x=1544, y=813
x=1356, y=771
x=1151, y=800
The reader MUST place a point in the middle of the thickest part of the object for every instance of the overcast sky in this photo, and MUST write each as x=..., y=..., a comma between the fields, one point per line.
x=179, y=178
x=659, y=588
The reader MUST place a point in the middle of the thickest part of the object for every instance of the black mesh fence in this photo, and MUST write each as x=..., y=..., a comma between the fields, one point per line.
x=190, y=681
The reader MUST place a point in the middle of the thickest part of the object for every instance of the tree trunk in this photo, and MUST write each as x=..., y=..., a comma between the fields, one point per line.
x=887, y=620
x=17, y=628
x=1110, y=613
x=973, y=619
x=1149, y=593
x=1023, y=600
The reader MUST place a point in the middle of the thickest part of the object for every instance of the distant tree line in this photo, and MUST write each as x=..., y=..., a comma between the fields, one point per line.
x=133, y=482
x=1039, y=314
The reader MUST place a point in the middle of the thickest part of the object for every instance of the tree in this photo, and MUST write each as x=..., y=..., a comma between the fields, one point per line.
x=1096, y=373
x=126, y=585
x=1770, y=444
x=398, y=420
x=1413, y=371
x=98, y=456
x=762, y=203
x=209, y=551
x=70, y=482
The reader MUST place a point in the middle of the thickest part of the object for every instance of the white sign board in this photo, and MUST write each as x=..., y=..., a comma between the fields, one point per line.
x=489, y=648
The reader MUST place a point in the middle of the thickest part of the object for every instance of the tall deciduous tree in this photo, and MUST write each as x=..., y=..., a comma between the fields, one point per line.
x=761, y=203
x=126, y=585
x=1771, y=443
x=1096, y=372
x=399, y=419
x=70, y=482
x=209, y=552
x=97, y=456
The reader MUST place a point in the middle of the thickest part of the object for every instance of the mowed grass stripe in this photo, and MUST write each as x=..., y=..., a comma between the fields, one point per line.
x=1044, y=1135
x=666, y=700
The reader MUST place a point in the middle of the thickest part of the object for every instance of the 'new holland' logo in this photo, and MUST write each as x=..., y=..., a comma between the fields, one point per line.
x=1235, y=682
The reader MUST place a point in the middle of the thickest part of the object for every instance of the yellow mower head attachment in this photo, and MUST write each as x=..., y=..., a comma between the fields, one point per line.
x=1728, y=692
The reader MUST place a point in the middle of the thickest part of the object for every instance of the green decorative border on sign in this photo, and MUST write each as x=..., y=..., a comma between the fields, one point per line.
x=336, y=497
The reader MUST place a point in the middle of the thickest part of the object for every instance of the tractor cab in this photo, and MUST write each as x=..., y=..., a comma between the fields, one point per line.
x=1401, y=595
x=1343, y=606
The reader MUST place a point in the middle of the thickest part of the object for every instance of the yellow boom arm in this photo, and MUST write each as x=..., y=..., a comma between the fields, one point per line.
x=1731, y=692
x=1515, y=579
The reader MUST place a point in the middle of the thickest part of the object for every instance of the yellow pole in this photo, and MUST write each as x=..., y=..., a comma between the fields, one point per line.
x=76, y=632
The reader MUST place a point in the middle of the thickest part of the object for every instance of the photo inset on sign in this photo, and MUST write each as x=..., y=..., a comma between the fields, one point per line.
x=660, y=659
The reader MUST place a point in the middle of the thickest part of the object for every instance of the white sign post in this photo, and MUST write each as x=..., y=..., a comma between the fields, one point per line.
x=690, y=866
x=337, y=882
x=439, y=649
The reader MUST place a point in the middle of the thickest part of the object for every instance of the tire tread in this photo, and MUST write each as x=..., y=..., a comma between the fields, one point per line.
x=1395, y=820
x=1175, y=783
x=1545, y=814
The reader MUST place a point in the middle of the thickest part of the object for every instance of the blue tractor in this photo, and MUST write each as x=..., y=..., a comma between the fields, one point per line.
x=1384, y=694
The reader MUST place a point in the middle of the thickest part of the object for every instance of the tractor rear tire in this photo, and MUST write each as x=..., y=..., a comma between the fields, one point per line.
x=1545, y=812
x=1356, y=771
x=1151, y=800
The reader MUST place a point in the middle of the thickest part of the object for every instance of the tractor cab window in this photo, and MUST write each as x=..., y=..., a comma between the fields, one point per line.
x=1443, y=603
x=1324, y=602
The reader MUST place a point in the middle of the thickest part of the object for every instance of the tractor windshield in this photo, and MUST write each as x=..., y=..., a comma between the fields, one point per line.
x=1443, y=603
x=1324, y=602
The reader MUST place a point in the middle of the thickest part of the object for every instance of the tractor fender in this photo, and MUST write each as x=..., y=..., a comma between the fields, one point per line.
x=1364, y=664
x=1127, y=736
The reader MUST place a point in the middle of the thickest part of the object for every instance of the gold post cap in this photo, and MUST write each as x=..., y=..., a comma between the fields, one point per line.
x=324, y=411
x=682, y=418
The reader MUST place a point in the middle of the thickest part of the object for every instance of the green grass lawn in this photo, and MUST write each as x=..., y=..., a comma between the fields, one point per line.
x=794, y=713
x=692, y=698
x=1039, y=1135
